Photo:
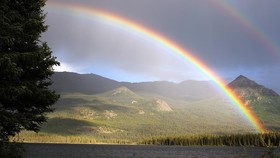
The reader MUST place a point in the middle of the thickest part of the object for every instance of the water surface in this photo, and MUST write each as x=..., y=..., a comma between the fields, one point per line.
x=137, y=151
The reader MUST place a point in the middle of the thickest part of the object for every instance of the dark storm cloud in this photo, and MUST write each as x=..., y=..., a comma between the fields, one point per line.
x=213, y=35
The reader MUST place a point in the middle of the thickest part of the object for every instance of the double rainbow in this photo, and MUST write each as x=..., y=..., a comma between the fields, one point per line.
x=167, y=43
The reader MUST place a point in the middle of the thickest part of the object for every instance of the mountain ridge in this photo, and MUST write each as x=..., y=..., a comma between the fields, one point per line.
x=69, y=82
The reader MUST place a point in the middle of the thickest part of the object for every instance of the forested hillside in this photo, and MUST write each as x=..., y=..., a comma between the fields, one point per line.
x=97, y=109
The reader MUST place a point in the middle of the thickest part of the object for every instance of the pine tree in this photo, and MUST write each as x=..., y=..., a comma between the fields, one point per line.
x=25, y=67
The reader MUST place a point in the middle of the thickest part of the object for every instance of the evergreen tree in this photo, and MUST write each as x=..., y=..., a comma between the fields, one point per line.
x=25, y=67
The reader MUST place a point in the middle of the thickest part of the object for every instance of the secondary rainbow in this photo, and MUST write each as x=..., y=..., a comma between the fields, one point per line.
x=167, y=43
x=251, y=28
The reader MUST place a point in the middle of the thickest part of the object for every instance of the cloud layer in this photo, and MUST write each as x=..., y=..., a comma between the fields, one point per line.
x=215, y=36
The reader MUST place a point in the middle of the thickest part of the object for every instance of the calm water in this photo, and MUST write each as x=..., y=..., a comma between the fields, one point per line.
x=138, y=151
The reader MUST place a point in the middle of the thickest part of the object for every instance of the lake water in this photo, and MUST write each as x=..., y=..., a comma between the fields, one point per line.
x=137, y=151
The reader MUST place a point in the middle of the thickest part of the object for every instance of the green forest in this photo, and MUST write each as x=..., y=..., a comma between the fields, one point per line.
x=270, y=139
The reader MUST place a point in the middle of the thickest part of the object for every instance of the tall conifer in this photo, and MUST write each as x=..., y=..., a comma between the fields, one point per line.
x=25, y=67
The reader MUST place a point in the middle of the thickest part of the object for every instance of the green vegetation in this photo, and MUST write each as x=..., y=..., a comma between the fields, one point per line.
x=93, y=108
x=268, y=110
x=125, y=116
x=131, y=117
x=270, y=139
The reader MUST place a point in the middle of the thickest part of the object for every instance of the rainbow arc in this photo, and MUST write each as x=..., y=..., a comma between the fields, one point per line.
x=167, y=43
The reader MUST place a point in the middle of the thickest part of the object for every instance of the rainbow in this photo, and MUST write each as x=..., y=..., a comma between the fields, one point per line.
x=167, y=43
x=251, y=28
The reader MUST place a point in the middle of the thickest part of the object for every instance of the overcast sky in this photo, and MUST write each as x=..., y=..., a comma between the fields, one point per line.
x=231, y=37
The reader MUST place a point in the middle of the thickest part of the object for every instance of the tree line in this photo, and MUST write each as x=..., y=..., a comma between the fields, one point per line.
x=259, y=140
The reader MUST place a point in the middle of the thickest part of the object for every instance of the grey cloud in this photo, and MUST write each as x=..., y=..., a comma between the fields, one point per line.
x=206, y=28
x=93, y=43
x=223, y=43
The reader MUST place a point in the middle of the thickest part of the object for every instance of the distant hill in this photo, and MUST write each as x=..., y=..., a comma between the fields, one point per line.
x=122, y=92
x=68, y=82
x=122, y=95
x=187, y=90
x=162, y=105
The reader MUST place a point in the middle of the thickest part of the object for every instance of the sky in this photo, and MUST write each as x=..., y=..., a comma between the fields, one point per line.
x=230, y=37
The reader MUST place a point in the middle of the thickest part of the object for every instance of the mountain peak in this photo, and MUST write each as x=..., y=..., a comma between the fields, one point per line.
x=241, y=77
x=242, y=82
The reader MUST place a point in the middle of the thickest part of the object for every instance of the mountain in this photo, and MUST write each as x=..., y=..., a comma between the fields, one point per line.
x=244, y=86
x=263, y=101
